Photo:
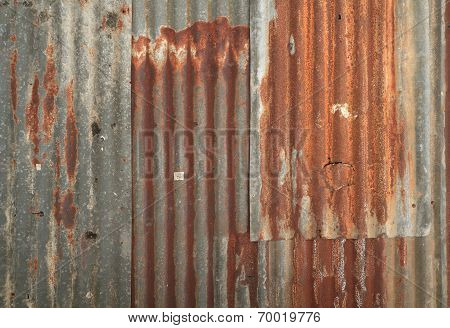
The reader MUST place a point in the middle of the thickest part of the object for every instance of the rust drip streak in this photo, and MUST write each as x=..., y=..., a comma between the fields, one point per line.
x=51, y=90
x=32, y=119
x=347, y=144
x=71, y=138
x=143, y=75
x=191, y=283
x=202, y=53
x=13, y=85
x=208, y=74
x=169, y=152
x=230, y=71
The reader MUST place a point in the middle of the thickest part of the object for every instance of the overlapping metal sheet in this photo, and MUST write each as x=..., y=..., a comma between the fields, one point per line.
x=65, y=196
x=192, y=244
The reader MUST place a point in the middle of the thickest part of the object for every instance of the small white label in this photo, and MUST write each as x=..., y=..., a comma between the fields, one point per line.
x=38, y=167
x=178, y=176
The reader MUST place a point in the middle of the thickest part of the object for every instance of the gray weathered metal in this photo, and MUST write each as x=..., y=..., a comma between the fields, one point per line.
x=65, y=178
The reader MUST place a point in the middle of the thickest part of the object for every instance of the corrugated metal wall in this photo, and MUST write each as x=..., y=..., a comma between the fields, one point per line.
x=192, y=237
x=346, y=101
x=65, y=173
x=109, y=107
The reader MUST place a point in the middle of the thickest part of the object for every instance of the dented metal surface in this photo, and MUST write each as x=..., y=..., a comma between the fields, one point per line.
x=65, y=197
x=346, y=102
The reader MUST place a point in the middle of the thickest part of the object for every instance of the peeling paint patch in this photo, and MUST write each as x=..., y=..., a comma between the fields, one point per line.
x=343, y=110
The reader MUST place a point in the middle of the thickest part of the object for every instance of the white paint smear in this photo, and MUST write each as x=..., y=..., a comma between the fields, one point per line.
x=343, y=111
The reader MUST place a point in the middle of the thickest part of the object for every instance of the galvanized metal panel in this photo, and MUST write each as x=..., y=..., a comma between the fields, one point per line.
x=65, y=153
x=344, y=100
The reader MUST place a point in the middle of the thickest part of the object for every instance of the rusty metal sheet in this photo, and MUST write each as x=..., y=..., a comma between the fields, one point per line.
x=65, y=199
x=191, y=244
x=344, y=102
x=190, y=114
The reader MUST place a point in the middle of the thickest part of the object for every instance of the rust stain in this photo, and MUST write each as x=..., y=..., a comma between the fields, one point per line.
x=13, y=37
x=33, y=265
x=68, y=210
x=203, y=53
x=71, y=138
x=13, y=84
x=64, y=209
x=317, y=63
x=402, y=251
x=32, y=119
x=51, y=90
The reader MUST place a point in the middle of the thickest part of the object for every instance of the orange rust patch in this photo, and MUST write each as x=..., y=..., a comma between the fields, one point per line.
x=51, y=90
x=13, y=84
x=13, y=37
x=32, y=119
x=317, y=61
x=71, y=138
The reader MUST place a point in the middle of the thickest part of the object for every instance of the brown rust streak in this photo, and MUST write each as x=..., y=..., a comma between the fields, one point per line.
x=330, y=54
x=71, y=138
x=51, y=90
x=143, y=73
x=32, y=119
x=13, y=84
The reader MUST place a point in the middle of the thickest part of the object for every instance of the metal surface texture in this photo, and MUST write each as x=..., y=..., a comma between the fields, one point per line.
x=190, y=77
x=346, y=99
x=192, y=244
x=224, y=153
x=65, y=190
